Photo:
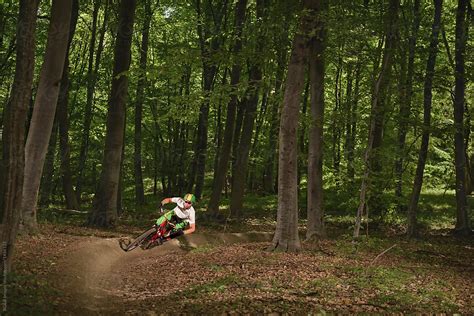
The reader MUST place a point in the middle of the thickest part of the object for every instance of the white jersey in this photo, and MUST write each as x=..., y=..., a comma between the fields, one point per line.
x=185, y=214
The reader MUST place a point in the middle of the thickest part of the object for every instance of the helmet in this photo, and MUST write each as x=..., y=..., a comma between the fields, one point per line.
x=190, y=198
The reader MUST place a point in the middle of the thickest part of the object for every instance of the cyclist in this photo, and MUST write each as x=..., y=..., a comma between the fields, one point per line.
x=182, y=216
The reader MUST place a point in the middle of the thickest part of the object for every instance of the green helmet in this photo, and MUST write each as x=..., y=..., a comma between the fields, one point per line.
x=190, y=198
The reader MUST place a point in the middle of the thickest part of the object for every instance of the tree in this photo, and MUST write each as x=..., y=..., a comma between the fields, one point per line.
x=220, y=172
x=92, y=73
x=210, y=42
x=281, y=44
x=252, y=96
x=427, y=99
x=377, y=112
x=13, y=158
x=104, y=210
x=462, y=218
x=45, y=108
x=62, y=114
x=406, y=92
x=315, y=209
x=286, y=233
x=139, y=192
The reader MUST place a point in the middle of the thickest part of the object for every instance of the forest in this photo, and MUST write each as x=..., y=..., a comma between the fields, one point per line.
x=327, y=145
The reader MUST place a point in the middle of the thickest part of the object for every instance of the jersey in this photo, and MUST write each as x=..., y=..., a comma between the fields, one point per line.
x=188, y=215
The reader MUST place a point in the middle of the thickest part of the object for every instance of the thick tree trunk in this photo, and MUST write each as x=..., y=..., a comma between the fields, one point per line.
x=462, y=218
x=220, y=172
x=405, y=104
x=315, y=210
x=92, y=72
x=255, y=76
x=286, y=233
x=63, y=120
x=45, y=108
x=13, y=140
x=104, y=211
x=139, y=192
x=427, y=99
x=377, y=115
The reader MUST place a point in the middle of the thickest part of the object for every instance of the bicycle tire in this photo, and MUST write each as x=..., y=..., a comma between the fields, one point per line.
x=134, y=244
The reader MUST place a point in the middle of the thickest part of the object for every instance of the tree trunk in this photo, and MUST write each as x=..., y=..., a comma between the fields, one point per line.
x=303, y=166
x=269, y=168
x=104, y=211
x=377, y=115
x=218, y=134
x=286, y=233
x=405, y=104
x=315, y=210
x=209, y=44
x=139, y=192
x=13, y=140
x=462, y=218
x=427, y=99
x=46, y=187
x=336, y=129
x=220, y=172
x=353, y=126
x=45, y=108
x=63, y=120
x=255, y=76
x=92, y=73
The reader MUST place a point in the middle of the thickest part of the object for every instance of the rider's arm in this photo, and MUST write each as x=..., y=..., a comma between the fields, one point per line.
x=166, y=201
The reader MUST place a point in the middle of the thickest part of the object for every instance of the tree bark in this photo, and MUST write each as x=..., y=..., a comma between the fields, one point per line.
x=427, y=100
x=104, y=211
x=139, y=192
x=286, y=233
x=47, y=182
x=63, y=120
x=45, y=108
x=13, y=140
x=315, y=208
x=221, y=171
x=377, y=115
x=462, y=219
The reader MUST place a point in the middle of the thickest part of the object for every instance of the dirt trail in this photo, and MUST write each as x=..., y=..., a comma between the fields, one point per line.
x=97, y=277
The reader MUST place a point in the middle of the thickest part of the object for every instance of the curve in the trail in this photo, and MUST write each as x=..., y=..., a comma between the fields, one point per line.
x=92, y=270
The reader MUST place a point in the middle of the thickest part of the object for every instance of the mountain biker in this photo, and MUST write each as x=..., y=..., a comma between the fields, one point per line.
x=183, y=216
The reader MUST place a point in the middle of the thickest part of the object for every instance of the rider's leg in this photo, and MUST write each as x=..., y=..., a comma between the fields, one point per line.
x=163, y=220
x=175, y=233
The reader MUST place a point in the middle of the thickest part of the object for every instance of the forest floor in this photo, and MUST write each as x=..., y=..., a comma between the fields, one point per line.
x=69, y=269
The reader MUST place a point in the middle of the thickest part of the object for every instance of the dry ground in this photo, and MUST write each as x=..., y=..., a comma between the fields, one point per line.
x=76, y=270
